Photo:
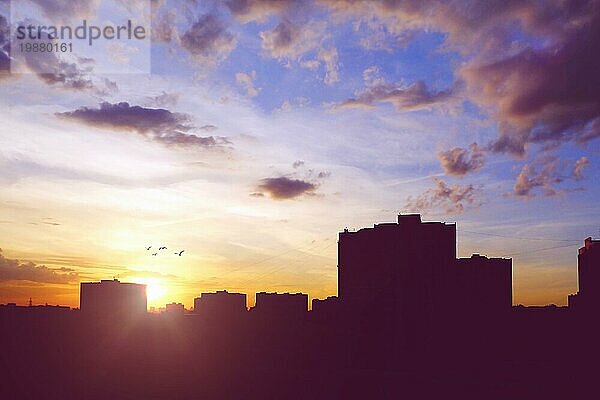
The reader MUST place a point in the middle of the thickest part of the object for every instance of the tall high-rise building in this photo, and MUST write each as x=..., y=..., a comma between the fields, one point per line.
x=394, y=266
x=588, y=276
x=111, y=298
x=409, y=270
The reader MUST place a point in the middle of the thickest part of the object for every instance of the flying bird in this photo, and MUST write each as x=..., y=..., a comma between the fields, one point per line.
x=154, y=254
x=180, y=253
x=148, y=248
x=162, y=248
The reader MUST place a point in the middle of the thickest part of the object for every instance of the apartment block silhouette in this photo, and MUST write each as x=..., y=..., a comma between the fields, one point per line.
x=410, y=268
x=588, y=277
x=111, y=298
x=220, y=303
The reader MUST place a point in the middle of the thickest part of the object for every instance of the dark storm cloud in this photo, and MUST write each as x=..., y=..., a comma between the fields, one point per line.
x=12, y=269
x=448, y=199
x=458, y=161
x=283, y=188
x=157, y=124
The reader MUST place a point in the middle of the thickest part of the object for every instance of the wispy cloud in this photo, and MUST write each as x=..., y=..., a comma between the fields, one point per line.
x=246, y=80
x=405, y=97
x=454, y=199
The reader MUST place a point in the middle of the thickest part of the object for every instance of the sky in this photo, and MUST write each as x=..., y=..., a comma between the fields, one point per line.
x=249, y=133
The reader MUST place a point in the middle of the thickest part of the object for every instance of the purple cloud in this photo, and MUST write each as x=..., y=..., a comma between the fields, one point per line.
x=283, y=188
x=208, y=40
x=157, y=124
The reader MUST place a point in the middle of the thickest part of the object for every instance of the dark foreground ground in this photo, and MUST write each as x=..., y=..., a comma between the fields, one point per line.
x=530, y=354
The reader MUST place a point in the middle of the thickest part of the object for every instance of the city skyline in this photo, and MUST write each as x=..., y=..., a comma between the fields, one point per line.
x=248, y=132
x=379, y=247
x=411, y=319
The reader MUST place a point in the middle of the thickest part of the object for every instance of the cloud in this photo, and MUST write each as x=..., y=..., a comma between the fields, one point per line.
x=580, y=165
x=449, y=199
x=330, y=59
x=15, y=270
x=4, y=48
x=283, y=188
x=208, y=128
x=50, y=68
x=412, y=97
x=288, y=41
x=120, y=54
x=529, y=178
x=380, y=37
x=164, y=99
x=63, y=10
x=63, y=73
x=164, y=26
x=544, y=173
x=260, y=10
x=541, y=95
x=247, y=82
x=157, y=124
x=459, y=162
x=208, y=41
x=146, y=274
x=289, y=105
x=531, y=65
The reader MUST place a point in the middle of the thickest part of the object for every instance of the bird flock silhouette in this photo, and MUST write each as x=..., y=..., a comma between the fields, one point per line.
x=177, y=253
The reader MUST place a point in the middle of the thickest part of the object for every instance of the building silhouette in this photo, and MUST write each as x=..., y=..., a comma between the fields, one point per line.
x=281, y=304
x=410, y=321
x=484, y=284
x=393, y=268
x=409, y=270
x=220, y=304
x=111, y=298
x=588, y=277
x=174, y=309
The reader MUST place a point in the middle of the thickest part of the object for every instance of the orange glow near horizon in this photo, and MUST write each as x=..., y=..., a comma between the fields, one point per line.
x=157, y=292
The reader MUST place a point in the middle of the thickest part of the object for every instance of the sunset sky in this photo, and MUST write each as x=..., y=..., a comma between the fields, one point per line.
x=263, y=128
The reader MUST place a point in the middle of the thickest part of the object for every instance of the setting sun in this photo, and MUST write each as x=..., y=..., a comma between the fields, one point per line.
x=156, y=291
